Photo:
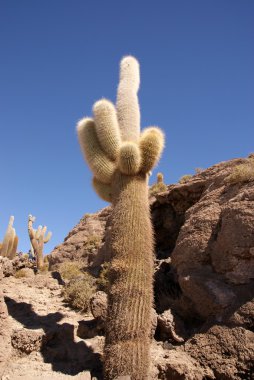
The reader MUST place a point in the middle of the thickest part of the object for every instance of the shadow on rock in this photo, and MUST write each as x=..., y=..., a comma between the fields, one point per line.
x=58, y=345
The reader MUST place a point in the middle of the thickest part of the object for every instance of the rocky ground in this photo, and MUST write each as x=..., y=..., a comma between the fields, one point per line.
x=203, y=290
x=43, y=332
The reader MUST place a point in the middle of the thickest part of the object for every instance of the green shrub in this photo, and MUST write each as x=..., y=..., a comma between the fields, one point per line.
x=70, y=269
x=78, y=291
x=185, y=178
x=242, y=173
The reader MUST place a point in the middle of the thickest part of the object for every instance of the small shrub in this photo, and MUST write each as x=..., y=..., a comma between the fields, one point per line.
x=198, y=170
x=21, y=273
x=242, y=173
x=70, y=269
x=103, y=280
x=78, y=291
x=93, y=242
x=185, y=178
x=157, y=188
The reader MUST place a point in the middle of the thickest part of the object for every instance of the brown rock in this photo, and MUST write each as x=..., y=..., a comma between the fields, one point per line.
x=27, y=341
x=229, y=352
x=7, y=266
x=177, y=365
x=98, y=305
x=170, y=327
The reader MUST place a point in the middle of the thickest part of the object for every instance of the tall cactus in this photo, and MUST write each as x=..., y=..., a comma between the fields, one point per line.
x=10, y=243
x=121, y=158
x=37, y=239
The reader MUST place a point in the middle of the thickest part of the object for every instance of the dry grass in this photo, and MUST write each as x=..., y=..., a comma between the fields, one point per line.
x=78, y=291
x=242, y=173
x=103, y=280
x=93, y=242
x=21, y=273
x=199, y=170
x=70, y=269
x=185, y=178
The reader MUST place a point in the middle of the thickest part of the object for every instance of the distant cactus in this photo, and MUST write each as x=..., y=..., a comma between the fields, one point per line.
x=10, y=243
x=159, y=186
x=160, y=178
x=121, y=158
x=37, y=239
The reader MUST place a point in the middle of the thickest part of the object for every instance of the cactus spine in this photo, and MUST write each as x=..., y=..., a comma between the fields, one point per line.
x=37, y=239
x=10, y=243
x=121, y=158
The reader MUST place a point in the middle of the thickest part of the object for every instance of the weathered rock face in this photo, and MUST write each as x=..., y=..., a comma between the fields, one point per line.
x=86, y=241
x=204, y=272
x=213, y=256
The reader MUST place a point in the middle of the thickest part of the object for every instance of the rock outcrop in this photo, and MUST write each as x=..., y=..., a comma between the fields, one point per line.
x=87, y=242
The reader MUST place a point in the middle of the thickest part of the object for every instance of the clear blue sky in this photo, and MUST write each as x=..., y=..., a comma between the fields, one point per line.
x=58, y=57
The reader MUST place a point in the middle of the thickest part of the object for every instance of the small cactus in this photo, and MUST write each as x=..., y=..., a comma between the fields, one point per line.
x=158, y=187
x=121, y=157
x=10, y=243
x=160, y=178
x=37, y=239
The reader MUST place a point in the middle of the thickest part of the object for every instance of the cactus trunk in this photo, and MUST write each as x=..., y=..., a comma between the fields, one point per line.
x=131, y=295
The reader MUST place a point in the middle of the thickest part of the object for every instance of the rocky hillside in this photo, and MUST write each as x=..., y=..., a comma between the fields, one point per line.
x=203, y=288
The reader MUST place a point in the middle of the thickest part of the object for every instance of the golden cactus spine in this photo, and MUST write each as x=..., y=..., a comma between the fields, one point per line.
x=10, y=243
x=121, y=158
x=38, y=239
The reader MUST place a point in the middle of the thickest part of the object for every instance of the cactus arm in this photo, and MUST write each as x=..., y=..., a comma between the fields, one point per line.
x=102, y=167
x=39, y=252
x=47, y=237
x=31, y=231
x=11, y=242
x=38, y=232
x=127, y=101
x=151, y=145
x=13, y=251
x=32, y=249
x=129, y=158
x=103, y=190
x=107, y=129
x=7, y=236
